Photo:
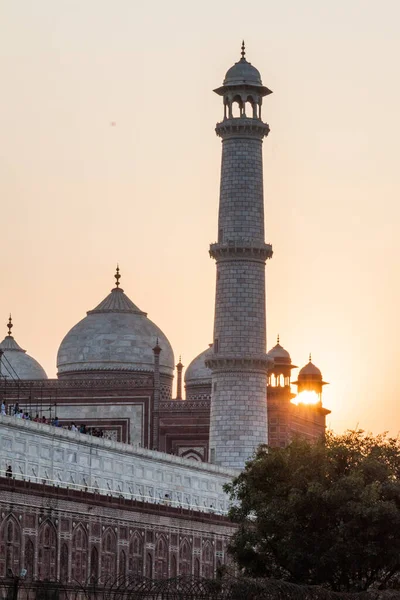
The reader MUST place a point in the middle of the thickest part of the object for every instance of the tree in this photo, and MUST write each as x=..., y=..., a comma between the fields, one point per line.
x=326, y=513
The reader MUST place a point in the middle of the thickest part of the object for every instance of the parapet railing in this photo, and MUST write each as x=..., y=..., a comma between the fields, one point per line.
x=56, y=483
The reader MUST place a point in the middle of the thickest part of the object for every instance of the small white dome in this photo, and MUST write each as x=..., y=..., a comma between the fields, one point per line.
x=197, y=372
x=115, y=336
x=279, y=354
x=15, y=363
x=310, y=370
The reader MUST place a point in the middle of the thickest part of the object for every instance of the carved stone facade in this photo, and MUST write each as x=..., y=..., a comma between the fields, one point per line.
x=71, y=536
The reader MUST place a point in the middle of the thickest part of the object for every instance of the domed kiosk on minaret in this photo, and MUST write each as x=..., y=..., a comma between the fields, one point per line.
x=15, y=363
x=280, y=366
x=310, y=379
x=116, y=337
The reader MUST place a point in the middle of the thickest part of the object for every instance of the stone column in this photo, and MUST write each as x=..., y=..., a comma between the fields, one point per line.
x=156, y=396
x=179, y=368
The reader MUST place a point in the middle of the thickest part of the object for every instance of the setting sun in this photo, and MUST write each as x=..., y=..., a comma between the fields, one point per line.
x=306, y=397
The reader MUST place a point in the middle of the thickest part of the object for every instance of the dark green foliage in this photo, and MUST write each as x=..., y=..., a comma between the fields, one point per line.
x=326, y=513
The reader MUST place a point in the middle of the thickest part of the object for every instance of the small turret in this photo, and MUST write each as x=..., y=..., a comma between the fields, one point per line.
x=310, y=380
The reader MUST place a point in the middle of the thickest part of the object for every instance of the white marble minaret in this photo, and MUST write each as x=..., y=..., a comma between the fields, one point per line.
x=239, y=363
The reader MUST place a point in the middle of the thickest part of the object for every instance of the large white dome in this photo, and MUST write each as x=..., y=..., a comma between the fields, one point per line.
x=16, y=364
x=115, y=336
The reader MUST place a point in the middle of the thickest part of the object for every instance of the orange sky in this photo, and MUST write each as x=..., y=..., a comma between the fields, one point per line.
x=78, y=194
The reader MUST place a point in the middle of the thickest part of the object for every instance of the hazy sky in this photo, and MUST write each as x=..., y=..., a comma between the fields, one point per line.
x=78, y=194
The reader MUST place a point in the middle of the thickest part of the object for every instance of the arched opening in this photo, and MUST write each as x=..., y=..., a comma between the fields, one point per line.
x=185, y=558
x=10, y=547
x=136, y=554
x=192, y=454
x=47, y=554
x=29, y=559
x=149, y=566
x=173, y=572
x=108, y=553
x=161, y=559
x=250, y=108
x=94, y=565
x=236, y=107
x=79, y=554
x=196, y=567
x=207, y=560
x=64, y=563
x=122, y=564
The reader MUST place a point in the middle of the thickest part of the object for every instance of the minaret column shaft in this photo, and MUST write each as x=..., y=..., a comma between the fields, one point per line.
x=241, y=205
x=238, y=420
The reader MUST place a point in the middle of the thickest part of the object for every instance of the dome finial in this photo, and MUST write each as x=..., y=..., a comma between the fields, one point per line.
x=309, y=357
x=277, y=339
x=10, y=325
x=243, y=52
x=117, y=276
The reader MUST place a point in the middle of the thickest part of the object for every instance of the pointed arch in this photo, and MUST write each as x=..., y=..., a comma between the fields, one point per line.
x=79, y=558
x=185, y=558
x=47, y=554
x=192, y=454
x=236, y=111
x=161, y=558
x=173, y=570
x=122, y=564
x=64, y=563
x=94, y=565
x=29, y=559
x=196, y=567
x=136, y=554
x=207, y=560
x=108, y=554
x=149, y=565
x=10, y=546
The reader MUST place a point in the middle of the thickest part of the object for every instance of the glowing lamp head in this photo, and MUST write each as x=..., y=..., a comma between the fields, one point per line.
x=308, y=397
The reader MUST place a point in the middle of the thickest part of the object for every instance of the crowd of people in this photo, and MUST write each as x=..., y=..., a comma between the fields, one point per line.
x=17, y=412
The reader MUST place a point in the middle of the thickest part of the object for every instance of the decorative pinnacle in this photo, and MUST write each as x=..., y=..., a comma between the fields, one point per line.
x=309, y=358
x=117, y=277
x=243, y=53
x=157, y=348
x=10, y=325
x=277, y=339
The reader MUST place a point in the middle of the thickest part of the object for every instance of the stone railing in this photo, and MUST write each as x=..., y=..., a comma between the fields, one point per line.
x=44, y=453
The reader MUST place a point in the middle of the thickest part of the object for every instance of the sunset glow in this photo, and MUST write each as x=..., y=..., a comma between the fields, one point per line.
x=306, y=397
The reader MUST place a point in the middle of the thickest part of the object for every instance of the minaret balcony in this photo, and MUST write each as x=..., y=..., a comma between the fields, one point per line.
x=241, y=250
x=242, y=127
x=227, y=362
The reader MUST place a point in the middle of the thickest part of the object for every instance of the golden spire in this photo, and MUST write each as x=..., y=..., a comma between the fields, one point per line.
x=10, y=325
x=243, y=52
x=117, y=277
x=309, y=358
x=277, y=339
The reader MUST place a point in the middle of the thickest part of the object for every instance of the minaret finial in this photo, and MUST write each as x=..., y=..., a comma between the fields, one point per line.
x=243, y=51
x=10, y=325
x=117, y=276
x=277, y=339
x=309, y=358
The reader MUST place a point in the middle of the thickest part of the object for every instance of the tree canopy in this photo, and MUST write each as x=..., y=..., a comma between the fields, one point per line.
x=326, y=513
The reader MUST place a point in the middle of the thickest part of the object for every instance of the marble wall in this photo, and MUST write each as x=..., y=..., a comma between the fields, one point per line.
x=42, y=453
